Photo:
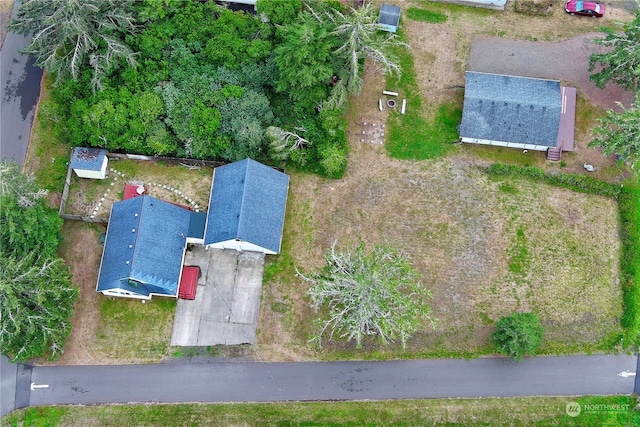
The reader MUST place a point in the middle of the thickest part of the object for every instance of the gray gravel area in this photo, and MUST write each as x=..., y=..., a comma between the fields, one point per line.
x=567, y=61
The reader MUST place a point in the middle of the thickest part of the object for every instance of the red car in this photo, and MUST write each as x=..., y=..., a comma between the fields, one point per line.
x=585, y=8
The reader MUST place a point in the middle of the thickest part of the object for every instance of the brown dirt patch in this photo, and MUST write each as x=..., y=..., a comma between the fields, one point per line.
x=82, y=251
x=172, y=183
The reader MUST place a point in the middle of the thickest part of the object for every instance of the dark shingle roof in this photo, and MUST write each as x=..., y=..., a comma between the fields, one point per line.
x=511, y=109
x=247, y=202
x=88, y=158
x=389, y=17
x=145, y=242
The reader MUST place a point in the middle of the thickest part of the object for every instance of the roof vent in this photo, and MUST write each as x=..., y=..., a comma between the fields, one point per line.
x=133, y=230
x=130, y=246
x=127, y=262
x=136, y=214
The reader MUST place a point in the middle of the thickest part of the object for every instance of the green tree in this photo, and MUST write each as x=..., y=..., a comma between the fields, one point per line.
x=621, y=63
x=364, y=294
x=518, y=335
x=25, y=230
x=618, y=133
x=304, y=59
x=69, y=35
x=36, y=301
x=22, y=186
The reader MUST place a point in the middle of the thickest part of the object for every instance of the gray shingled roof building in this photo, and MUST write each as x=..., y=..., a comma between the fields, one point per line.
x=511, y=111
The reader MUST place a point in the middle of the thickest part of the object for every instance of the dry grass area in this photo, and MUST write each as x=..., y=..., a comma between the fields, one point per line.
x=160, y=180
x=6, y=6
x=485, y=248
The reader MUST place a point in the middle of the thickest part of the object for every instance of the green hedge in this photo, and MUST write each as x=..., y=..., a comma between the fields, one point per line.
x=581, y=183
x=628, y=198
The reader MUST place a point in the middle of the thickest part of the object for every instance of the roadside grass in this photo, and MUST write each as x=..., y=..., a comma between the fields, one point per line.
x=48, y=154
x=529, y=411
x=135, y=332
x=413, y=135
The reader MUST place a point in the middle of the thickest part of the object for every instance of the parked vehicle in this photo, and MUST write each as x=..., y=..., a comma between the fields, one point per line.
x=585, y=8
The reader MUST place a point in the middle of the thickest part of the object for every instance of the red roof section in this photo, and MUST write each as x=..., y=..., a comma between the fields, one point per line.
x=188, y=282
x=131, y=191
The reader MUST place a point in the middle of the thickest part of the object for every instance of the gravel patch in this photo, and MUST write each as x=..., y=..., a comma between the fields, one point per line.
x=567, y=61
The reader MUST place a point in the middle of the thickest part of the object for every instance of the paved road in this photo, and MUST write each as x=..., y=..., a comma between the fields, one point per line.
x=215, y=381
x=19, y=92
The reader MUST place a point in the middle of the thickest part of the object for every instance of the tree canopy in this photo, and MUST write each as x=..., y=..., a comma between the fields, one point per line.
x=621, y=63
x=36, y=294
x=361, y=294
x=619, y=133
x=518, y=335
x=69, y=35
x=198, y=80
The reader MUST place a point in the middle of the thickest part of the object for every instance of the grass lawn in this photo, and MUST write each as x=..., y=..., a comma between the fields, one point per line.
x=485, y=247
x=537, y=411
x=85, y=194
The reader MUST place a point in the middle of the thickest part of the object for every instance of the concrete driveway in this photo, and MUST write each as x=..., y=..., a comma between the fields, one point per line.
x=227, y=304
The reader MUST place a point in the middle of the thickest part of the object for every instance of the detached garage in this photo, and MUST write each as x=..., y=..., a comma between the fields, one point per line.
x=247, y=207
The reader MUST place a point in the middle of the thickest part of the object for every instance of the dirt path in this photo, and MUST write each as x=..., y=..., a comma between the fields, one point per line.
x=566, y=60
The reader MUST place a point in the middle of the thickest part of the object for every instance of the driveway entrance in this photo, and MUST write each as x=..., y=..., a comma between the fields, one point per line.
x=227, y=303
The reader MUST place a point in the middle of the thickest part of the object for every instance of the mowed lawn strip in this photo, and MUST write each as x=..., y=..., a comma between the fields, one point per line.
x=536, y=411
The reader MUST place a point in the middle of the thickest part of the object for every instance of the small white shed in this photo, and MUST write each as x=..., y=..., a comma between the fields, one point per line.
x=89, y=162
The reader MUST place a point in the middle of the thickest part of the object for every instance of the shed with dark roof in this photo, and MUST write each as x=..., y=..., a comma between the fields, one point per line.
x=247, y=207
x=512, y=111
x=144, y=249
x=89, y=162
x=389, y=18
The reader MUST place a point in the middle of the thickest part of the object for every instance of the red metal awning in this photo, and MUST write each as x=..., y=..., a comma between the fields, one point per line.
x=189, y=282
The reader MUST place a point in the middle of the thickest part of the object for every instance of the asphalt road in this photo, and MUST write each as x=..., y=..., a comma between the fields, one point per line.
x=19, y=92
x=215, y=381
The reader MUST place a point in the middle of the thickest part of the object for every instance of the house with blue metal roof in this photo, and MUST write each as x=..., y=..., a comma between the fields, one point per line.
x=247, y=207
x=144, y=248
x=519, y=112
x=146, y=237
x=89, y=162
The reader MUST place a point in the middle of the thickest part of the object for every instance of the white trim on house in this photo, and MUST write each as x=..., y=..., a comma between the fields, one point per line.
x=240, y=245
x=506, y=144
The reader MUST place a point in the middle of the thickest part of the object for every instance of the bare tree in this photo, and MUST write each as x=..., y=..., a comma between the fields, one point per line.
x=22, y=186
x=365, y=294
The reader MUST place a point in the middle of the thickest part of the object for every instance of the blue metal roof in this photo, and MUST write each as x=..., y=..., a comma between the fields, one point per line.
x=197, y=222
x=511, y=109
x=248, y=201
x=88, y=158
x=145, y=243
